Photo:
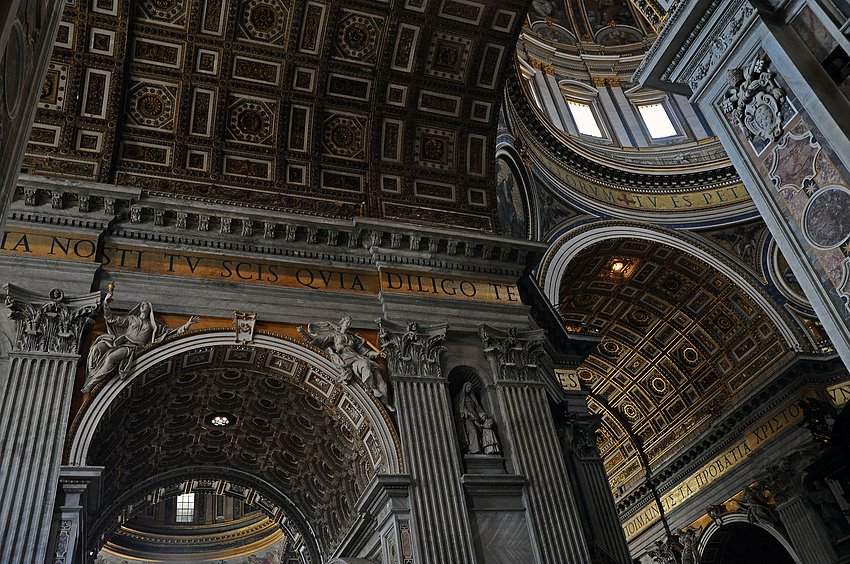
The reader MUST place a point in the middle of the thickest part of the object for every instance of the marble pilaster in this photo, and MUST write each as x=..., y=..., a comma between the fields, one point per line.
x=440, y=521
x=577, y=432
x=536, y=454
x=36, y=395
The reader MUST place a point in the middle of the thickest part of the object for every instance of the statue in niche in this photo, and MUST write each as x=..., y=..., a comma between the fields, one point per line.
x=755, y=504
x=475, y=427
x=125, y=334
x=351, y=354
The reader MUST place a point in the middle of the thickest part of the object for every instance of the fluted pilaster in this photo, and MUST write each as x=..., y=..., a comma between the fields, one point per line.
x=536, y=455
x=440, y=518
x=36, y=397
x=807, y=534
x=437, y=500
x=577, y=432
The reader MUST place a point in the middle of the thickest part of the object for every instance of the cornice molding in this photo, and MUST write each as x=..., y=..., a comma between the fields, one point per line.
x=128, y=214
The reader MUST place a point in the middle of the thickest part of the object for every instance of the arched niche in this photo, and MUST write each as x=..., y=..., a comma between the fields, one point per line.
x=303, y=440
x=737, y=541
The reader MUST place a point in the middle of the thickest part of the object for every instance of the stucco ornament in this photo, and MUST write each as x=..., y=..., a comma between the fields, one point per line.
x=351, y=354
x=414, y=350
x=754, y=100
x=115, y=351
x=55, y=325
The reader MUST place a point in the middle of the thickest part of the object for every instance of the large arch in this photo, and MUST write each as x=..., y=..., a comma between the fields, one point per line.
x=567, y=245
x=720, y=540
x=683, y=336
x=202, y=479
x=307, y=444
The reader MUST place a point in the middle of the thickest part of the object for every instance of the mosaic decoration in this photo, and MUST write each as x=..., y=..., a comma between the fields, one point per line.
x=297, y=105
x=511, y=202
x=679, y=342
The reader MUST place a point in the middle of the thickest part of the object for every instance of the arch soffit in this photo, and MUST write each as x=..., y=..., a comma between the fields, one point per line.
x=731, y=518
x=252, y=489
x=567, y=246
x=380, y=429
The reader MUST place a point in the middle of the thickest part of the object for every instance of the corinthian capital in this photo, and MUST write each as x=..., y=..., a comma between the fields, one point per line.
x=413, y=350
x=513, y=354
x=579, y=433
x=52, y=323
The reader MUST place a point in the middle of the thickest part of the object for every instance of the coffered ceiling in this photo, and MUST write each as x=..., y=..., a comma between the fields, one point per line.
x=367, y=107
x=680, y=343
x=290, y=424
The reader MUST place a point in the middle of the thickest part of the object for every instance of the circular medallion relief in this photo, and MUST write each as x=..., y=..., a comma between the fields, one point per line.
x=250, y=122
x=150, y=106
x=342, y=136
x=826, y=219
x=357, y=37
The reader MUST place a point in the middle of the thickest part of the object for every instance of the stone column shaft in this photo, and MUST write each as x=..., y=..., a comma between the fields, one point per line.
x=37, y=402
x=440, y=517
x=537, y=456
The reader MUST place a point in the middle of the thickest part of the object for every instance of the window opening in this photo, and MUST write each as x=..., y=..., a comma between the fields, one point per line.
x=185, y=508
x=584, y=118
x=657, y=121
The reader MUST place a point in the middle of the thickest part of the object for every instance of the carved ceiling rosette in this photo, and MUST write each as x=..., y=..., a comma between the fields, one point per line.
x=55, y=325
x=413, y=350
x=513, y=354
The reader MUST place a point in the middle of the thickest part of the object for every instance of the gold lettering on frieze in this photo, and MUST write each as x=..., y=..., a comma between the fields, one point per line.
x=172, y=262
x=408, y=282
x=568, y=378
x=34, y=243
x=237, y=269
x=752, y=439
x=839, y=393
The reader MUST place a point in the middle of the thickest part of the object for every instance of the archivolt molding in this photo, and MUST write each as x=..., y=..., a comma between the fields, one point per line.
x=570, y=244
x=113, y=392
x=209, y=479
x=729, y=518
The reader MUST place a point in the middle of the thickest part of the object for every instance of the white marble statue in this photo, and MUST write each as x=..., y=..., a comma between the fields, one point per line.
x=125, y=334
x=475, y=427
x=351, y=354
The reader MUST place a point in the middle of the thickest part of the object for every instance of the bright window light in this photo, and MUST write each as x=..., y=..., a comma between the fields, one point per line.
x=185, y=508
x=585, y=121
x=657, y=121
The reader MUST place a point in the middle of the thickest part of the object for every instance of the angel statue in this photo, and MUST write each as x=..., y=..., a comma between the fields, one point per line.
x=125, y=334
x=351, y=354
